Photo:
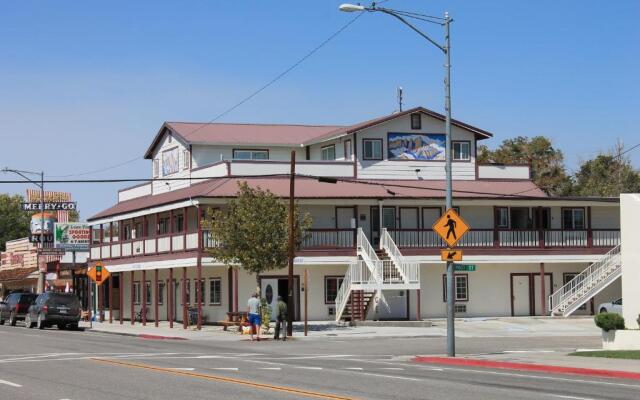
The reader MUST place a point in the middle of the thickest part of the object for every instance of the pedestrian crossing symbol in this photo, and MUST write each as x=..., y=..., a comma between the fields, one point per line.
x=451, y=255
x=451, y=227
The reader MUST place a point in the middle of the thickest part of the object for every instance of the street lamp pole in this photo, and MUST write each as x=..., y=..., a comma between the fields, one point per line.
x=446, y=49
x=40, y=288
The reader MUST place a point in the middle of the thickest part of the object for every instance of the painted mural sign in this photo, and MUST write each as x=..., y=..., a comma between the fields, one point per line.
x=412, y=146
x=170, y=163
x=72, y=236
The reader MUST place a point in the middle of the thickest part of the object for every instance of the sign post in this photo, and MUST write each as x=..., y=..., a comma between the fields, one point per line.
x=450, y=227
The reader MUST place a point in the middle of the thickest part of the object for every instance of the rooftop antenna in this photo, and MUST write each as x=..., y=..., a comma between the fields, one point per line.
x=399, y=93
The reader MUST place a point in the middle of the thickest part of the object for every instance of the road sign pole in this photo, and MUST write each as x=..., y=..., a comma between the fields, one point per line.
x=451, y=338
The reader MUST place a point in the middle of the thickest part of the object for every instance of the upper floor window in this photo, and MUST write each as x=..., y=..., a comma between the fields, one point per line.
x=348, y=151
x=156, y=168
x=328, y=152
x=186, y=159
x=416, y=121
x=461, y=151
x=502, y=217
x=126, y=233
x=250, y=154
x=372, y=149
x=573, y=218
x=178, y=222
x=163, y=225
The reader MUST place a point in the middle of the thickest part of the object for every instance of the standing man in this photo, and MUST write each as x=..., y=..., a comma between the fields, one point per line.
x=253, y=309
x=281, y=318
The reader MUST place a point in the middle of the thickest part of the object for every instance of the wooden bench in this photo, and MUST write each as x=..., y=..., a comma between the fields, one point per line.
x=234, y=319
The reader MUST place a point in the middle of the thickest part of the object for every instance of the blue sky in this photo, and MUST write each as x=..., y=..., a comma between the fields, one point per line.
x=85, y=85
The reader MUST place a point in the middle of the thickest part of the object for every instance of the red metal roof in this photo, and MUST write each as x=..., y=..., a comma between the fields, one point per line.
x=281, y=134
x=309, y=188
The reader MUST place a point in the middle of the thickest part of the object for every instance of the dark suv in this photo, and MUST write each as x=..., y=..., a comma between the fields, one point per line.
x=61, y=309
x=16, y=307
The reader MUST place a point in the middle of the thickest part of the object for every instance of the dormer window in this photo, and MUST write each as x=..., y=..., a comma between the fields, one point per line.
x=416, y=121
x=328, y=152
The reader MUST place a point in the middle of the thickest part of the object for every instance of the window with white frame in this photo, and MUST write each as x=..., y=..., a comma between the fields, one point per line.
x=328, y=152
x=461, y=151
x=247, y=154
x=186, y=159
x=331, y=287
x=372, y=149
x=573, y=218
x=161, y=286
x=461, y=289
x=215, y=294
x=502, y=217
x=136, y=292
x=156, y=168
x=147, y=292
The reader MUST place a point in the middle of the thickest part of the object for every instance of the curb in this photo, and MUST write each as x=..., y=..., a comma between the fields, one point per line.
x=138, y=335
x=468, y=362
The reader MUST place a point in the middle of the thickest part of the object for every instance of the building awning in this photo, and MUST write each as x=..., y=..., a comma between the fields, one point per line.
x=17, y=274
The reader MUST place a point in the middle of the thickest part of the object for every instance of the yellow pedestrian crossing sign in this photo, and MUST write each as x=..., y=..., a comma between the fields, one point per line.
x=451, y=227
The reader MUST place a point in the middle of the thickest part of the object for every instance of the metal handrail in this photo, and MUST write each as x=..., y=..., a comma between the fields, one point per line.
x=584, y=280
x=409, y=271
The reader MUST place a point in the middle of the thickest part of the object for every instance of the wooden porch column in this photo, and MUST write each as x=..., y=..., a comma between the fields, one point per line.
x=543, y=291
x=184, y=229
x=170, y=231
x=121, y=296
x=90, y=300
x=143, y=286
x=101, y=292
x=418, y=316
x=156, y=231
x=155, y=300
x=133, y=308
x=143, y=234
x=170, y=299
x=235, y=289
x=110, y=300
x=185, y=309
x=199, y=285
x=589, y=231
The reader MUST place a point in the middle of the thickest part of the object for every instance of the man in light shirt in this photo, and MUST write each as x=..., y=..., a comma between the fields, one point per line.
x=253, y=309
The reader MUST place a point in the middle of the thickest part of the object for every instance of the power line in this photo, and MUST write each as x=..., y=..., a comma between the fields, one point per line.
x=241, y=102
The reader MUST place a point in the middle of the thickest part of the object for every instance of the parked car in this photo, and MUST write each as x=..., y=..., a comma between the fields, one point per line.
x=16, y=307
x=60, y=309
x=614, y=307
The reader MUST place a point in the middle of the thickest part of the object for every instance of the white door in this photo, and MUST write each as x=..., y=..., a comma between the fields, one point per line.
x=269, y=291
x=536, y=293
x=520, y=295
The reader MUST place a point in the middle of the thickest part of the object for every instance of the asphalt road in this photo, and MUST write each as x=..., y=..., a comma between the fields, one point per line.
x=52, y=364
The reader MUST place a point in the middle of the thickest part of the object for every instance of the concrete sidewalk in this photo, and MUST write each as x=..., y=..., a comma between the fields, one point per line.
x=465, y=328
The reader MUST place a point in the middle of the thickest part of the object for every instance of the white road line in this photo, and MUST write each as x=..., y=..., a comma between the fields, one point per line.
x=313, y=368
x=182, y=369
x=571, y=397
x=272, y=368
x=2, y=382
x=393, y=369
x=354, y=368
x=225, y=369
x=405, y=378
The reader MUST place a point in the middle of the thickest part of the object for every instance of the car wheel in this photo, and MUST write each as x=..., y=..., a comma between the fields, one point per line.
x=72, y=327
x=12, y=319
x=62, y=326
x=603, y=310
x=27, y=321
x=40, y=323
x=1, y=322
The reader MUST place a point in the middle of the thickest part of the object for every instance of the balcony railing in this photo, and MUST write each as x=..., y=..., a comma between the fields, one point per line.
x=511, y=238
x=314, y=239
x=183, y=241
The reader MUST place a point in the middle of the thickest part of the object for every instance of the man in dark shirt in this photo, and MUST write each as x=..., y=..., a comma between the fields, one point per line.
x=281, y=318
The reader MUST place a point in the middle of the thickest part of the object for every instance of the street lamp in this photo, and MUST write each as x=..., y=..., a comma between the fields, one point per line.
x=446, y=49
x=40, y=288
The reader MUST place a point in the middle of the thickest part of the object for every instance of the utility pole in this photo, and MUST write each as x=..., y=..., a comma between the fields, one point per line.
x=451, y=336
x=292, y=187
x=41, y=274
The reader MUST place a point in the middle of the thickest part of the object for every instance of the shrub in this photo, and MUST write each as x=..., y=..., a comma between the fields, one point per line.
x=609, y=321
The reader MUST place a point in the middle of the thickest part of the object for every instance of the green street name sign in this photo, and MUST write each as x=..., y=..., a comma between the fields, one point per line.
x=465, y=267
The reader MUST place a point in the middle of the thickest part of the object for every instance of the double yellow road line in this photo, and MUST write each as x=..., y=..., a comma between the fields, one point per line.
x=218, y=378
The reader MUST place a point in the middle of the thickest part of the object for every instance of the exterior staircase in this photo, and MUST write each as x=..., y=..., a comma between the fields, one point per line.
x=374, y=271
x=587, y=284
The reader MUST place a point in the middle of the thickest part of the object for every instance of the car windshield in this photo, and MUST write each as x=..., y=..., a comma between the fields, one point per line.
x=70, y=300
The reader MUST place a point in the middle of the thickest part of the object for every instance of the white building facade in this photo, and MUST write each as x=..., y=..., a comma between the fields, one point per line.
x=371, y=252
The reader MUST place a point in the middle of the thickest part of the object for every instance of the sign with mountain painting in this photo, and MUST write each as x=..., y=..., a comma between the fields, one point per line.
x=412, y=146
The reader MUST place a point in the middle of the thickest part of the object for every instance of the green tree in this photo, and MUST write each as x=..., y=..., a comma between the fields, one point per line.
x=547, y=162
x=253, y=230
x=606, y=175
x=74, y=216
x=14, y=223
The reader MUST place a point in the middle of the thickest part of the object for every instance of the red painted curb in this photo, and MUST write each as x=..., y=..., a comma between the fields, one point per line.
x=469, y=362
x=158, y=337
